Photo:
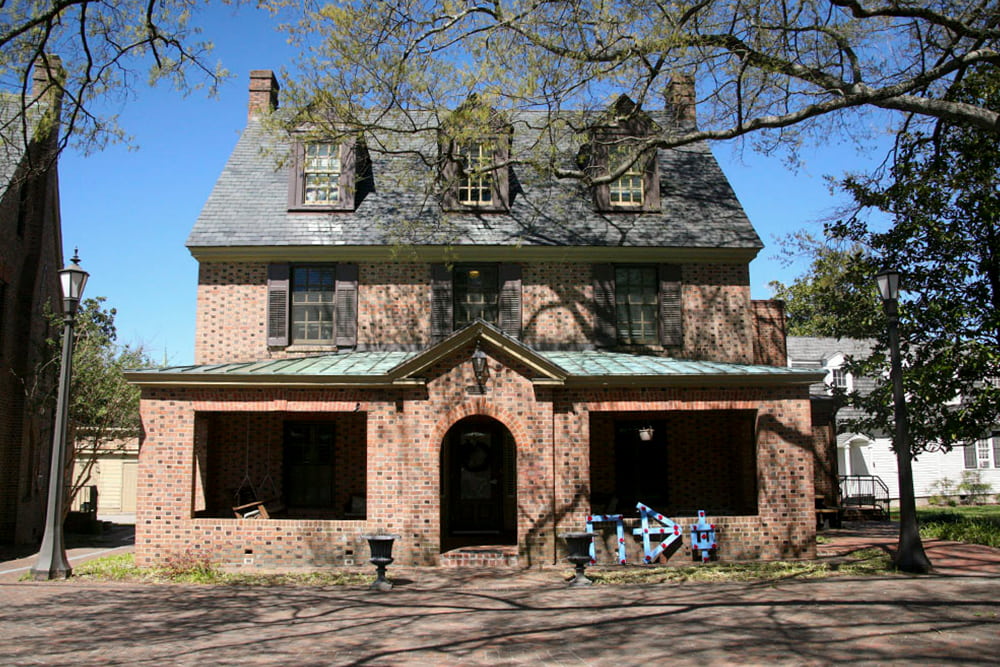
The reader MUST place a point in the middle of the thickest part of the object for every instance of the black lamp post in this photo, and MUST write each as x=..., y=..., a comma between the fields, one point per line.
x=910, y=556
x=52, y=562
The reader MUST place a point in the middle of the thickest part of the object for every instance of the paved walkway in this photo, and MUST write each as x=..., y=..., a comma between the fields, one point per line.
x=442, y=617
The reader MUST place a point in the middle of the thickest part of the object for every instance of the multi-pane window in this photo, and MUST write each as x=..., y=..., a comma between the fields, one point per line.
x=313, y=290
x=322, y=173
x=838, y=378
x=308, y=464
x=476, y=294
x=636, y=305
x=627, y=190
x=475, y=185
x=984, y=453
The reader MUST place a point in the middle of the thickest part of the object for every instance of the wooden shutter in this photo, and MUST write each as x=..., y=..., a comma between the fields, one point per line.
x=971, y=459
x=510, y=299
x=996, y=450
x=651, y=184
x=348, y=180
x=296, y=178
x=442, y=306
x=449, y=173
x=671, y=306
x=605, y=329
x=345, y=300
x=501, y=176
x=277, y=304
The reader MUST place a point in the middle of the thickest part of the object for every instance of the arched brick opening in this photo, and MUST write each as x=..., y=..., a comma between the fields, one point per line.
x=478, y=468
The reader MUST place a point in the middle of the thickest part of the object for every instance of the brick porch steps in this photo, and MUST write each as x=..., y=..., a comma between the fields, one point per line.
x=481, y=556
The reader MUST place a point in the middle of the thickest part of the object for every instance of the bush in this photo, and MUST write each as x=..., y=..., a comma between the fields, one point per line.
x=973, y=489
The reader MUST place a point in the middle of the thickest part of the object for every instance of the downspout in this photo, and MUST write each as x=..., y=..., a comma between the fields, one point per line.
x=555, y=538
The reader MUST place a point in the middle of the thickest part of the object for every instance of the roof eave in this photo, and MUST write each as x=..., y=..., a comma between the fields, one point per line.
x=451, y=253
x=154, y=379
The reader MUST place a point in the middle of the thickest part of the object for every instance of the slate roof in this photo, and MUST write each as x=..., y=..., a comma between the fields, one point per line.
x=248, y=207
x=12, y=135
x=816, y=351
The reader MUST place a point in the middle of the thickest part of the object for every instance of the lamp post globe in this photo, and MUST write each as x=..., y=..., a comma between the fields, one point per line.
x=52, y=561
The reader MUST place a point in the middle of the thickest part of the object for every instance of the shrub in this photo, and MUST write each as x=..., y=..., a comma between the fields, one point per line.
x=973, y=489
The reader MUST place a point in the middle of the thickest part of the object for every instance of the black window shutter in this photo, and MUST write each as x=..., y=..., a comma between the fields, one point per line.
x=605, y=330
x=651, y=185
x=970, y=456
x=277, y=304
x=510, y=299
x=671, y=306
x=442, y=307
x=346, y=304
x=295, y=175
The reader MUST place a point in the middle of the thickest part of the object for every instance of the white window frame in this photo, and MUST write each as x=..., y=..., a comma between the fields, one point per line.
x=836, y=363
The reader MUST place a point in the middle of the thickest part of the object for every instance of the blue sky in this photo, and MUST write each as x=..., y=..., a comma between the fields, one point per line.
x=130, y=211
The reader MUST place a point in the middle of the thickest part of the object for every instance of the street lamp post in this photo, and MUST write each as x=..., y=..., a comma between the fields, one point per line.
x=52, y=562
x=910, y=556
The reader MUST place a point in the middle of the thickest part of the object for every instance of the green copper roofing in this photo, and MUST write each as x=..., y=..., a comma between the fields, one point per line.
x=389, y=368
x=594, y=362
x=349, y=364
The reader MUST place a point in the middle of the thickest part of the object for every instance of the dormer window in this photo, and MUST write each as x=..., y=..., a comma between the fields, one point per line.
x=326, y=175
x=321, y=170
x=615, y=142
x=475, y=180
x=837, y=377
x=474, y=144
x=627, y=190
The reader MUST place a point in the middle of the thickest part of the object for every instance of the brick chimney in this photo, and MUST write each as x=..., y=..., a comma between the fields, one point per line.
x=45, y=77
x=680, y=97
x=263, y=93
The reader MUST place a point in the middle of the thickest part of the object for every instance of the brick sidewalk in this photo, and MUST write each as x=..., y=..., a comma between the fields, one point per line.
x=440, y=617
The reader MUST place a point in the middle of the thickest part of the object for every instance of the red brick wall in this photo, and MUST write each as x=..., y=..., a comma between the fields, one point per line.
x=718, y=323
x=404, y=432
x=394, y=308
x=769, y=347
x=29, y=266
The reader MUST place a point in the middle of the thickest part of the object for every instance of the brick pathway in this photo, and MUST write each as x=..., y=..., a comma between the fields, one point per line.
x=438, y=617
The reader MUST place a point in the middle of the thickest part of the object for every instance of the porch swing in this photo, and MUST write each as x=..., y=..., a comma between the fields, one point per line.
x=250, y=504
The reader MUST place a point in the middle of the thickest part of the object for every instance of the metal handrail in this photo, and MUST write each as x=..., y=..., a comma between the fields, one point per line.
x=859, y=490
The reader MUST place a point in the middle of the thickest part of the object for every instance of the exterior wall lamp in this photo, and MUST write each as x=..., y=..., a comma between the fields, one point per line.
x=479, y=366
x=646, y=433
x=52, y=562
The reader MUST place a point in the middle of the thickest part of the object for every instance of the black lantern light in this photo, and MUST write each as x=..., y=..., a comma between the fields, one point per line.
x=479, y=366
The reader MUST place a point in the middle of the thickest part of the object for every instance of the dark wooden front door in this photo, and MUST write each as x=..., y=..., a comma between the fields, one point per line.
x=474, y=474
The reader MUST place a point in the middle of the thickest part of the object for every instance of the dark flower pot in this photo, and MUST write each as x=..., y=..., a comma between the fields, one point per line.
x=578, y=553
x=381, y=550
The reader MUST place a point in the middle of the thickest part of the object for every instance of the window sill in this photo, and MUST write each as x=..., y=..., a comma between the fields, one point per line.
x=311, y=348
x=319, y=208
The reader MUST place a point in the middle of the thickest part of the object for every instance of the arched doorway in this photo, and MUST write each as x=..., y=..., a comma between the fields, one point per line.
x=479, y=484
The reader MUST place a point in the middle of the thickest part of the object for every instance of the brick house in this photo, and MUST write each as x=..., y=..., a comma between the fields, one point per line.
x=30, y=259
x=336, y=391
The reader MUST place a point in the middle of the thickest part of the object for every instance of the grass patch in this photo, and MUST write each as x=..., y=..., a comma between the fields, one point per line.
x=868, y=562
x=972, y=524
x=122, y=567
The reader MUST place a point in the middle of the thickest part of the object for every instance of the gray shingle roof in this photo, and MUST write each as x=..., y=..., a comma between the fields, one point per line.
x=12, y=136
x=816, y=351
x=248, y=207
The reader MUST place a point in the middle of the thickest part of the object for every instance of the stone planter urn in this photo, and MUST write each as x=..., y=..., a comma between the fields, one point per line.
x=578, y=553
x=381, y=550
